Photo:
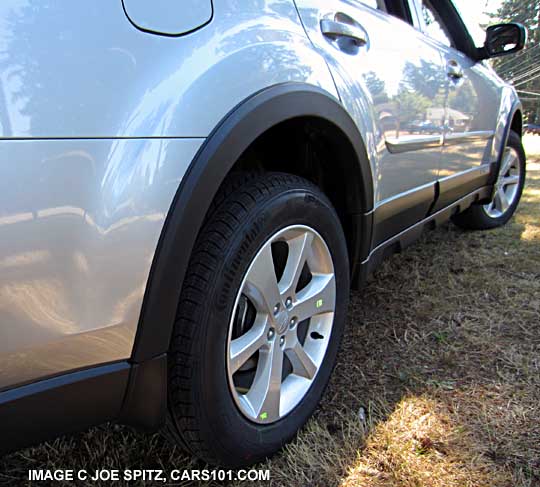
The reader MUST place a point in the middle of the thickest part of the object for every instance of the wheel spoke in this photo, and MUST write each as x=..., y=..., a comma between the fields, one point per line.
x=261, y=283
x=506, y=185
x=510, y=180
x=262, y=388
x=316, y=298
x=302, y=363
x=264, y=394
x=503, y=200
x=507, y=162
x=497, y=203
x=299, y=249
x=243, y=347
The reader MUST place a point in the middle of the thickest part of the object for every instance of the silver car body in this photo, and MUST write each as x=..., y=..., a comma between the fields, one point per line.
x=104, y=105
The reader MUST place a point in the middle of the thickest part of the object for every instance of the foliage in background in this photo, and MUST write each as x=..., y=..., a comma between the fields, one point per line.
x=523, y=69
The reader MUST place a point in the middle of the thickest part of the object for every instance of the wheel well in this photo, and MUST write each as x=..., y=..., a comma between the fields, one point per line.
x=344, y=174
x=517, y=123
x=319, y=151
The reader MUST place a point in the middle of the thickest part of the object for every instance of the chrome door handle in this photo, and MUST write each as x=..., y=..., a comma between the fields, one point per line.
x=333, y=29
x=454, y=70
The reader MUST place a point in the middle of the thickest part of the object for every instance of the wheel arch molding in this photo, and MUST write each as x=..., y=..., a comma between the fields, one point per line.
x=510, y=119
x=218, y=155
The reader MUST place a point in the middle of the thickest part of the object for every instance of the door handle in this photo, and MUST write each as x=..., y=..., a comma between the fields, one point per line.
x=455, y=71
x=334, y=29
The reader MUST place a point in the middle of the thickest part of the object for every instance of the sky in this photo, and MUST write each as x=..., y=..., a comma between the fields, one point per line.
x=474, y=12
x=477, y=8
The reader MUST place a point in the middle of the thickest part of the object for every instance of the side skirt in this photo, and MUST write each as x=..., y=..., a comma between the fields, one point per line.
x=408, y=236
x=132, y=394
x=42, y=410
x=399, y=213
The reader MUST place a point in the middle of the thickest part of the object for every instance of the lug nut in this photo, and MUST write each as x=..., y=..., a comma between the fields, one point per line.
x=293, y=322
x=271, y=334
x=276, y=309
x=288, y=302
x=282, y=340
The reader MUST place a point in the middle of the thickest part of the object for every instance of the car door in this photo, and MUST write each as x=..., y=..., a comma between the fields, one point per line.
x=471, y=107
x=390, y=79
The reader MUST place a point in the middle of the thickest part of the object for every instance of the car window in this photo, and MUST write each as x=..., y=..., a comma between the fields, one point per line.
x=376, y=4
x=434, y=26
x=399, y=9
x=471, y=21
x=370, y=3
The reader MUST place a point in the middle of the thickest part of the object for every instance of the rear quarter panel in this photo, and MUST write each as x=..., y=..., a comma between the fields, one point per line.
x=99, y=122
x=81, y=69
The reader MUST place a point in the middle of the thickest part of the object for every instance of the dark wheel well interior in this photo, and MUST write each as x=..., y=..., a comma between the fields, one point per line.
x=284, y=138
x=320, y=152
x=517, y=123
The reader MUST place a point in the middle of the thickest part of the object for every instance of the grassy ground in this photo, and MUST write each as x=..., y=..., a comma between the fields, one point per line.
x=438, y=381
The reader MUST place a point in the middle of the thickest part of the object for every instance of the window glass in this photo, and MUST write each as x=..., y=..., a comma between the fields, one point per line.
x=472, y=13
x=434, y=26
x=370, y=3
x=398, y=9
x=376, y=4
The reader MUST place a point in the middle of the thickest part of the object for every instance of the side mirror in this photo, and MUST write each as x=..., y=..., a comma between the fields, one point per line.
x=503, y=39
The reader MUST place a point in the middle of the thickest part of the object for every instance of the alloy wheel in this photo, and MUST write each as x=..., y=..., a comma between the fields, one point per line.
x=281, y=324
x=507, y=184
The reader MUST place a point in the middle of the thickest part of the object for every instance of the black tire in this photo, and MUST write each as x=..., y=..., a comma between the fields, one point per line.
x=202, y=413
x=476, y=217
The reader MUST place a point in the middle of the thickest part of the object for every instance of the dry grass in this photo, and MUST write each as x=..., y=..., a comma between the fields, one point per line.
x=438, y=381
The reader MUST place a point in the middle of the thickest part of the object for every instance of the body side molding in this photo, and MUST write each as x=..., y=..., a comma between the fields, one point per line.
x=222, y=149
x=452, y=188
x=395, y=214
x=409, y=235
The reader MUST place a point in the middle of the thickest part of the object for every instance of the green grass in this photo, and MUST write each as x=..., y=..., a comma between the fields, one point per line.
x=441, y=356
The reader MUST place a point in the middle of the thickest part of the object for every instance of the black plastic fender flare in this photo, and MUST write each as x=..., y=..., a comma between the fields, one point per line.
x=516, y=106
x=216, y=157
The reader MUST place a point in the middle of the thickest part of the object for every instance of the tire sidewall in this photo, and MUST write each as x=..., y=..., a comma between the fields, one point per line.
x=514, y=142
x=237, y=436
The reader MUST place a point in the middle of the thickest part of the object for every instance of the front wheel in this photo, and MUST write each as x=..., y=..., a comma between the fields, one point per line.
x=506, y=194
x=260, y=318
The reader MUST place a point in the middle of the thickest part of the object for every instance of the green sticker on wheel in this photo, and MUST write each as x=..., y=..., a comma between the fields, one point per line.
x=264, y=415
x=319, y=303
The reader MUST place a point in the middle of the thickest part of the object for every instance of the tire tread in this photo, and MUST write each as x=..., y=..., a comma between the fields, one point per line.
x=475, y=217
x=239, y=195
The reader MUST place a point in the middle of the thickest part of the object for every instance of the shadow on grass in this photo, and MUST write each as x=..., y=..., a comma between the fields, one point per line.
x=442, y=353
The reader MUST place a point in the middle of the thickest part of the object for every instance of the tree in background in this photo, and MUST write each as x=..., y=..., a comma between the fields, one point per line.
x=523, y=69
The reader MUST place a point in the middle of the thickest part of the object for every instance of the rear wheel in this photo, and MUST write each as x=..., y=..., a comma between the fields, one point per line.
x=506, y=194
x=260, y=319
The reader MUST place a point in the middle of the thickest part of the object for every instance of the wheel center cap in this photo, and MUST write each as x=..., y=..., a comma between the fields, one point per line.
x=282, y=321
